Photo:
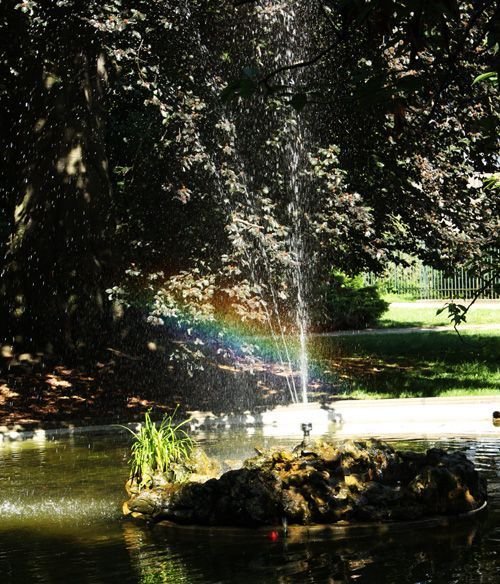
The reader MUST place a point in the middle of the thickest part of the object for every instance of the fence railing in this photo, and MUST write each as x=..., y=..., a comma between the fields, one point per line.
x=422, y=282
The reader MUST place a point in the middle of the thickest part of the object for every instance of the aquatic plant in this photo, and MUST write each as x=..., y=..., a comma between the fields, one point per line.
x=159, y=449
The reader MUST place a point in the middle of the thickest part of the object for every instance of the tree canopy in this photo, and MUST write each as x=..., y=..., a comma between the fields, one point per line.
x=189, y=155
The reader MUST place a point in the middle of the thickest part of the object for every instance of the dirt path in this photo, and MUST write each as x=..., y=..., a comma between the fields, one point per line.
x=411, y=329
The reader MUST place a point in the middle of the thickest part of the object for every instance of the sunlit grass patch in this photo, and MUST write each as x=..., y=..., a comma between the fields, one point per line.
x=411, y=365
x=425, y=316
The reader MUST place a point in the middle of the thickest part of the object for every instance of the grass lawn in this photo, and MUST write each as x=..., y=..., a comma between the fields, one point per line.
x=410, y=365
x=413, y=314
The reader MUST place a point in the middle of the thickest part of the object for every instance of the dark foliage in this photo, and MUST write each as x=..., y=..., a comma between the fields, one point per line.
x=140, y=167
x=350, y=305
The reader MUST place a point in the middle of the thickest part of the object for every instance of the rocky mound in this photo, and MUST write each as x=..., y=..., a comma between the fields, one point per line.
x=323, y=483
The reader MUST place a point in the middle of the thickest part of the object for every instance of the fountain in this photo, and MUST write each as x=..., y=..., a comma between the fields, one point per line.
x=318, y=483
x=60, y=495
x=64, y=496
x=268, y=229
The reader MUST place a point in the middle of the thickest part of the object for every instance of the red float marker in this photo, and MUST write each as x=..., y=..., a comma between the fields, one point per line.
x=273, y=535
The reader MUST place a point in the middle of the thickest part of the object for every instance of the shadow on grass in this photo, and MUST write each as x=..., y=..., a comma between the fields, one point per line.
x=130, y=378
x=424, y=365
x=409, y=324
x=127, y=381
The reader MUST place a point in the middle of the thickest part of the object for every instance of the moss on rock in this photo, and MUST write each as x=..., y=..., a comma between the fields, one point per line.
x=354, y=481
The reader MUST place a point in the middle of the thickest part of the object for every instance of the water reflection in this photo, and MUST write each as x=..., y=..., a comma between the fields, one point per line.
x=441, y=556
x=60, y=522
x=153, y=562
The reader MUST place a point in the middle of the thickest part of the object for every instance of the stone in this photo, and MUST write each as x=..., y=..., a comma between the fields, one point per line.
x=147, y=502
x=357, y=481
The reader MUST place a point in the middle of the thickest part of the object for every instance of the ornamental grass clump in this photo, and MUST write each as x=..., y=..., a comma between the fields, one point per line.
x=160, y=450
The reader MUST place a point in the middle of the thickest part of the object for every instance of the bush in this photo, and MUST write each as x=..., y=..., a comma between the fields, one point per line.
x=348, y=304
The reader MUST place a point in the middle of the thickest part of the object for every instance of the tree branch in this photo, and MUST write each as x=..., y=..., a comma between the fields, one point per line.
x=453, y=56
x=340, y=37
x=242, y=2
x=299, y=64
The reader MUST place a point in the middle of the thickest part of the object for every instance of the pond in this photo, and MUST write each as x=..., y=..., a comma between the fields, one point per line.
x=61, y=521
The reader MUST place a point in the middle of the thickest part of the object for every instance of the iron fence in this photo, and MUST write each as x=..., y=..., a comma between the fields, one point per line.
x=423, y=282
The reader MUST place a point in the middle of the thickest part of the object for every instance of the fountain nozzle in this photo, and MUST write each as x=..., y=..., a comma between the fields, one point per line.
x=306, y=429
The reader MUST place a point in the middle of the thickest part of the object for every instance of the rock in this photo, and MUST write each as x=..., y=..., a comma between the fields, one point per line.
x=358, y=481
x=295, y=507
x=203, y=465
x=126, y=509
x=147, y=502
x=199, y=468
x=448, y=483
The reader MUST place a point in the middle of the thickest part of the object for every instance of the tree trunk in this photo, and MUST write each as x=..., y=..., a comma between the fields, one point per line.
x=59, y=257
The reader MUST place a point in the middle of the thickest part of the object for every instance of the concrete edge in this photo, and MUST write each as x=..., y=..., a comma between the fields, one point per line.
x=424, y=417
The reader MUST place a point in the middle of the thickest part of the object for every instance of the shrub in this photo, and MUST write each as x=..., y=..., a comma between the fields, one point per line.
x=348, y=304
x=159, y=449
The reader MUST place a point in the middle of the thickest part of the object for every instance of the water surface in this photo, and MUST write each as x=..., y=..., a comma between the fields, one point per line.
x=60, y=521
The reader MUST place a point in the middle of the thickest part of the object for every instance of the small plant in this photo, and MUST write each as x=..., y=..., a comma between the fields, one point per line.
x=159, y=449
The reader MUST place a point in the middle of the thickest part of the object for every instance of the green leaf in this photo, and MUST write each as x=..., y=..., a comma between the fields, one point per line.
x=492, y=75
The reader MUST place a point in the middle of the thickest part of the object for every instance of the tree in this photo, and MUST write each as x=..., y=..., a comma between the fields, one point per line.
x=137, y=178
x=407, y=75
x=57, y=186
